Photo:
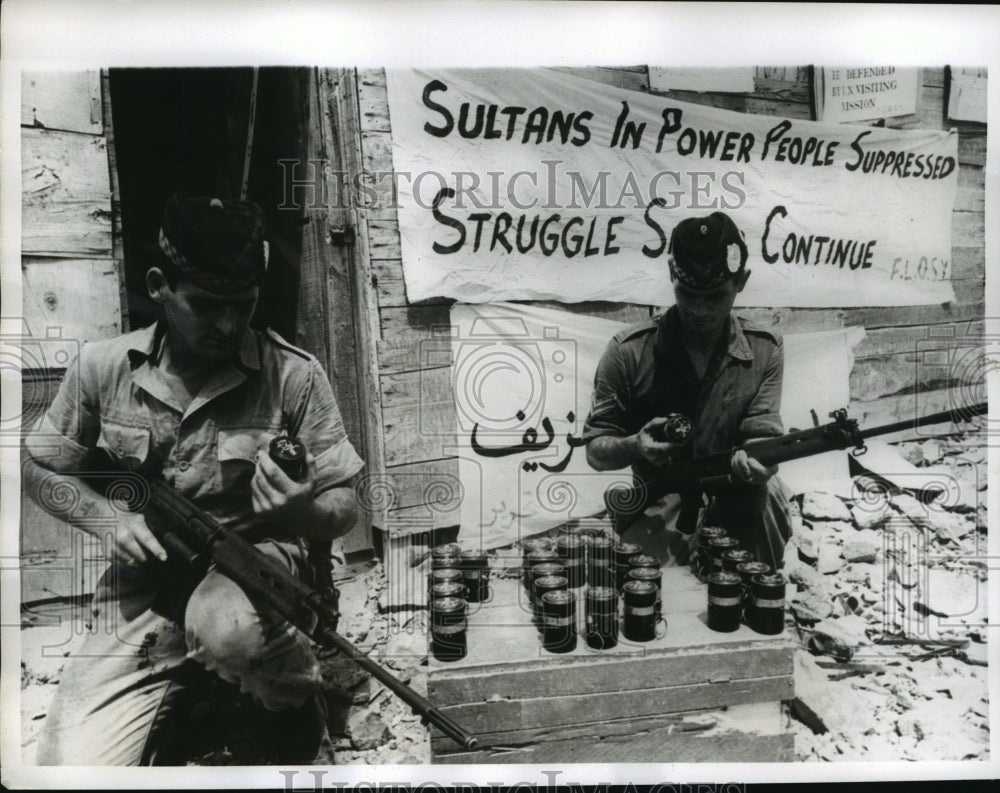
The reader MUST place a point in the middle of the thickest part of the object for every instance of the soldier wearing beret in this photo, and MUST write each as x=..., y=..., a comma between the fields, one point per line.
x=699, y=360
x=195, y=398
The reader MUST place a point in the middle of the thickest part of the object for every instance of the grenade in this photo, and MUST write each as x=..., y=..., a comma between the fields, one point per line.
x=716, y=548
x=703, y=556
x=639, y=621
x=623, y=551
x=602, y=617
x=289, y=454
x=654, y=577
x=733, y=558
x=544, y=585
x=599, y=570
x=724, y=602
x=559, y=621
x=571, y=552
x=446, y=575
x=747, y=572
x=541, y=555
x=448, y=629
x=676, y=429
x=766, y=609
x=476, y=572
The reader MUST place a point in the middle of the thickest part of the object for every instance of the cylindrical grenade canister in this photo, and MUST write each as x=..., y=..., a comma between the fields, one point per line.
x=447, y=549
x=724, y=602
x=450, y=575
x=544, y=569
x=543, y=585
x=537, y=556
x=448, y=589
x=602, y=617
x=559, y=621
x=476, y=572
x=600, y=550
x=572, y=553
x=600, y=575
x=448, y=629
x=289, y=454
x=766, y=609
x=747, y=571
x=654, y=576
x=734, y=557
x=703, y=555
x=719, y=546
x=639, y=612
x=643, y=560
x=621, y=553
x=676, y=429
x=443, y=562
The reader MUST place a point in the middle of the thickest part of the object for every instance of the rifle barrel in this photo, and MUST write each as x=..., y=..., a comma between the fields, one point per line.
x=955, y=415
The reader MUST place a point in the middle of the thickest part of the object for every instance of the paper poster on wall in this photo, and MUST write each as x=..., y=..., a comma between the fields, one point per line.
x=532, y=184
x=849, y=94
x=733, y=79
x=523, y=377
x=967, y=95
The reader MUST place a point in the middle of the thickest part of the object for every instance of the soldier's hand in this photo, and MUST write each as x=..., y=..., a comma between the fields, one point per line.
x=134, y=543
x=746, y=469
x=277, y=497
x=650, y=448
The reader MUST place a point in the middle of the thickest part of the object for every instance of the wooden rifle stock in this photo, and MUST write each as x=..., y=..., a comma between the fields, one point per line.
x=626, y=504
x=196, y=538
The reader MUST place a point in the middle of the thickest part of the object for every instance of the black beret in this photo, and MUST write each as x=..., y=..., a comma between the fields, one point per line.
x=706, y=252
x=217, y=245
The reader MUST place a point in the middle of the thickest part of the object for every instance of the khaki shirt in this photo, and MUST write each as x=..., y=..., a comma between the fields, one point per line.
x=645, y=373
x=115, y=398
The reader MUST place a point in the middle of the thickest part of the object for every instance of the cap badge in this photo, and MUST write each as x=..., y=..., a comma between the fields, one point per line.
x=733, y=257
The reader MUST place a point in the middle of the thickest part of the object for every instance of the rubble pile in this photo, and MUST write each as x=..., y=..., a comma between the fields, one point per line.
x=887, y=593
x=367, y=723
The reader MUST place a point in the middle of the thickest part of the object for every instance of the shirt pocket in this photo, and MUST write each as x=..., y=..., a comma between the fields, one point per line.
x=237, y=455
x=128, y=444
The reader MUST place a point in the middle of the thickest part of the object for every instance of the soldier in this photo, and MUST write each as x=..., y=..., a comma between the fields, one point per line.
x=699, y=360
x=195, y=398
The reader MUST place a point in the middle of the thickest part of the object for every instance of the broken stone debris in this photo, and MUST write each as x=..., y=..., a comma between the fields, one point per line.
x=908, y=602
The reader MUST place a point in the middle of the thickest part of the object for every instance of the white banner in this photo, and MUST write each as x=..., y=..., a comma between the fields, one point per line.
x=522, y=378
x=531, y=184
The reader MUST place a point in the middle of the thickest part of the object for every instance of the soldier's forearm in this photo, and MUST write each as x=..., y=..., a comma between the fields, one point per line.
x=63, y=496
x=334, y=513
x=611, y=453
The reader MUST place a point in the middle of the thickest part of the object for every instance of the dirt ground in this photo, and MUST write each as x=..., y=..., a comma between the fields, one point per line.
x=887, y=596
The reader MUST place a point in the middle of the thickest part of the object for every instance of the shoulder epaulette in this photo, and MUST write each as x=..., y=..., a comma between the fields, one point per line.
x=278, y=339
x=638, y=329
x=760, y=330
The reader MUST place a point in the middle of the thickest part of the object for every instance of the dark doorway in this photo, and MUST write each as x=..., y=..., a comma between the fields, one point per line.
x=210, y=132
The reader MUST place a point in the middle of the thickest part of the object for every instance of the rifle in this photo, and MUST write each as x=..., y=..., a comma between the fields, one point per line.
x=195, y=538
x=626, y=504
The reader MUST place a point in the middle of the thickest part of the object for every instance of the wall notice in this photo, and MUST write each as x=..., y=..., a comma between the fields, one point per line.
x=867, y=93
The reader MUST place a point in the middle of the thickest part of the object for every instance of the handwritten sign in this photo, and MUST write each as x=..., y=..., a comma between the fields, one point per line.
x=516, y=184
x=868, y=93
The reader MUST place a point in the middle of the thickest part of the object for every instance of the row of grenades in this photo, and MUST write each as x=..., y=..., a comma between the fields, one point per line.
x=457, y=578
x=738, y=587
x=553, y=570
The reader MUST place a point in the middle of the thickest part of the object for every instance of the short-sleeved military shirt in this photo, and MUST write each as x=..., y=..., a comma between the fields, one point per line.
x=115, y=398
x=645, y=373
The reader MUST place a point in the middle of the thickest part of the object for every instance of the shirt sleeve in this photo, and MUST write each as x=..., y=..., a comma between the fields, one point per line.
x=320, y=427
x=763, y=417
x=609, y=404
x=72, y=424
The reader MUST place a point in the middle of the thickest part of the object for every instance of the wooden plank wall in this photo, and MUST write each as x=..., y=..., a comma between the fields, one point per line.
x=895, y=358
x=72, y=282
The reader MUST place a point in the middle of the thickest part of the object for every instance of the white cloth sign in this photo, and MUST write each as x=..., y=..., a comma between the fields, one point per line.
x=866, y=93
x=516, y=184
x=522, y=379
